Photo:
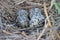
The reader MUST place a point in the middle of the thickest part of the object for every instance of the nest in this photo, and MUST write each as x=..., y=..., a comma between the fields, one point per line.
x=8, y=16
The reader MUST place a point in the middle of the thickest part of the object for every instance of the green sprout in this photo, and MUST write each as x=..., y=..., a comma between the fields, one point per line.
x=56, y=6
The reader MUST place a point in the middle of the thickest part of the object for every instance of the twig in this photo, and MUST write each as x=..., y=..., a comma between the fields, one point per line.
x=49, y=24
x=42, y=33
x=37, y=0
x=58, y=35
x=51, y=5
x=19, y=2
x=24, y=34
x=27, y=7
x=33, y=3
x=52, y=35
x=7, y=32
x=17, y=32
x=46, y=25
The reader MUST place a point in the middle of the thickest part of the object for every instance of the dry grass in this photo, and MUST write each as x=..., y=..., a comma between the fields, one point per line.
x=9, y=8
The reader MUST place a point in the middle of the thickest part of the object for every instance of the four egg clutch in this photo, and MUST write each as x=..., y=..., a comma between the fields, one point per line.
x=34, y=18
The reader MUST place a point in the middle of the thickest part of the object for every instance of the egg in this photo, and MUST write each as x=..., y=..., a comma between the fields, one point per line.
x=22, y=18
x=36, y=17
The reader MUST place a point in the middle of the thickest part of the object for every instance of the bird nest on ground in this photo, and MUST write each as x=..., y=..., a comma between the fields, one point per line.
x=29, y=20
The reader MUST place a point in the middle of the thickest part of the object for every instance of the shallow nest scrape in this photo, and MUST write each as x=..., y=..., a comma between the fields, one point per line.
x=10, y=30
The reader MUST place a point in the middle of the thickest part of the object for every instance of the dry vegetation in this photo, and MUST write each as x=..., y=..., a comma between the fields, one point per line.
x=9, y=31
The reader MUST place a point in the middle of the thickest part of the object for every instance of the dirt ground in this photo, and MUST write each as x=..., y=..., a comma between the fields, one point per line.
x=9, y=29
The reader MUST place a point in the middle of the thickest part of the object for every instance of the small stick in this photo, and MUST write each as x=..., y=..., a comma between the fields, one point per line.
x=58, y=35
x=6, y=32
x=33, y=3
x=37, y=0
x=29, y=7
x=19, y=2
x=51, y=5
x=46, y=25
x=49, y=24
x=24, y=34
x=51, y=32
x=41, y=33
